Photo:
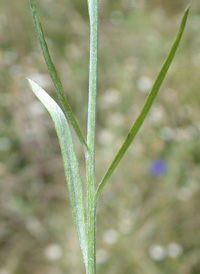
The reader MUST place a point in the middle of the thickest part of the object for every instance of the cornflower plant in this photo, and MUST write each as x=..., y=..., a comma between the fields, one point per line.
x=85, y=218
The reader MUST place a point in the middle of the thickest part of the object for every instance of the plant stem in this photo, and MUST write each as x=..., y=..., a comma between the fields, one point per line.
x=90, y=154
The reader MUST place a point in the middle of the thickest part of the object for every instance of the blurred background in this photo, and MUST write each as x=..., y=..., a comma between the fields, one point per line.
x=148, y=214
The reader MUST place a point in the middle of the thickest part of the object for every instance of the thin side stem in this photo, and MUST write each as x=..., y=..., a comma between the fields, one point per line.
x=90, y=155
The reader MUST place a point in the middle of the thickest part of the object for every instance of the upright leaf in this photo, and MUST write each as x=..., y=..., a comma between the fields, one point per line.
x=71, y=165
x=54, y=75
x=149, y=101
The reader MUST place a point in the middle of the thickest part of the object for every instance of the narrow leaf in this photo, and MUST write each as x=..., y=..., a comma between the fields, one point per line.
x=54, y=75
x=149, y=101
x=70, y=161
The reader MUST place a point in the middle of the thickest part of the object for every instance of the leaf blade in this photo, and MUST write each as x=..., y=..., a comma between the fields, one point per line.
x=149, y=101
x=70, y=161
x=54, y=75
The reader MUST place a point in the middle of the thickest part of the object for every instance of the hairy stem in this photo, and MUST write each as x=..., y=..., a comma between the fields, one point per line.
x=90, y=155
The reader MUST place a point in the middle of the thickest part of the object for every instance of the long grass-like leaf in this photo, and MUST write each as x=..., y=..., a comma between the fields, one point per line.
x=54, y=75
x=149, y=101
x=71, y=165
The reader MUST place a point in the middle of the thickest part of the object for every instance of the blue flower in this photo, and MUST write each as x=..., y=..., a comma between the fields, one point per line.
x=158, y=167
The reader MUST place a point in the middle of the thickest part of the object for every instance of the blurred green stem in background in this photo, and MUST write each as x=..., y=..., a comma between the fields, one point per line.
x=87, y=231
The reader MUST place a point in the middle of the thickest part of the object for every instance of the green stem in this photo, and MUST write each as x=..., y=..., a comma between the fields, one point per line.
x=90, y=155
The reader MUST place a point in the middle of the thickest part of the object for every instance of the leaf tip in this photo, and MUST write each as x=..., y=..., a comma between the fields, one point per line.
x=187, y=9
x=29, y=81
x=35, y=87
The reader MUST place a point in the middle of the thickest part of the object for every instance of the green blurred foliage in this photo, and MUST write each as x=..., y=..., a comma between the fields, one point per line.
x=147, y=223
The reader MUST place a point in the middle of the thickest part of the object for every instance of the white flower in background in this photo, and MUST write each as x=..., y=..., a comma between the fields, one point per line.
x=157, y=252
x=110, y=236
x=111, y=97
x=167, y=134
x=35, y=228
x=174, y=250
x=102, y=256
x=125, y=225
x=144, y=84
x=156, y=114
x=53, y=252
